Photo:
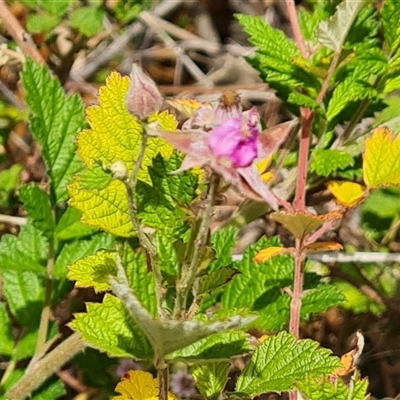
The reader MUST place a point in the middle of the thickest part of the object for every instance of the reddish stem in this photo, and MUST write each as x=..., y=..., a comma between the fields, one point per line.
x=306, y=122
x=295, y=305
x=294, y=23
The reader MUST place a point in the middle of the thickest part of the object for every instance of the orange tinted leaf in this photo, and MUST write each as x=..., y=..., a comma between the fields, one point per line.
x=138, y=385
x=348, y=194
x=263, y=338
x=381, y=164
x=265, y=254
x=350, y=359
x=318, y=247
x=298, y=223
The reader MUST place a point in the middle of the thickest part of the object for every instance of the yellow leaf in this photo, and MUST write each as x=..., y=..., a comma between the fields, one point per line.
x=114, y=137
x=381, y=163
x=265, y=254
x=349, y=360
x=348, y=194
x=263, y=165
x=106, y=208
x=318, y=247
x=139, y=385
x=115, y=134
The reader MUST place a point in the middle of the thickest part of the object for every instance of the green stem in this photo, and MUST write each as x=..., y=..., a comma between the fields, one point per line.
x=46, y=367
x=144, y=240
x=189, y=268
x=46, y=311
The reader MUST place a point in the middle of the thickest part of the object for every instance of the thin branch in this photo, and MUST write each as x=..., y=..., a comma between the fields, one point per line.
x=306, y=122
x=103, y=56
x=9, y=219
x=331, y=71
x=189, y=269
x=46, y=367
x=294, y=23
x=18, y=33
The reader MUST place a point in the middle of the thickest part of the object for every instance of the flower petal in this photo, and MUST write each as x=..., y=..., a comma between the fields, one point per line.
x=272, y=138
x=253, y=185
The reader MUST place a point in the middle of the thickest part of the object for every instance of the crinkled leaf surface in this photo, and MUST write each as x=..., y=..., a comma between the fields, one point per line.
x=109, y=327
x=37, y=204
x=210, y=378
x=114, y=135
x=390, y=17
x=56, y=121
x=325, y=162
x=139, y=385
x=320, y=299
x=382, y=159
x=73, y=251
x=332, y=33
x=215, y=347
x=24, y=292
x=70, y=226
x=6, y=335
x=323, y=388
x=87, y=20
x=223, y=241
x=26, y=252
x=258, y=286
x=280, y=361
x=348, y=194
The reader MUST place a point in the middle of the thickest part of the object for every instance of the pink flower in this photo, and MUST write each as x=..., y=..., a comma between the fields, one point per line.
x=229, y=141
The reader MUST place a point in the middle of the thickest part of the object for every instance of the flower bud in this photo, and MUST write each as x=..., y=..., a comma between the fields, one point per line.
x=143, y=97
x=119, y=170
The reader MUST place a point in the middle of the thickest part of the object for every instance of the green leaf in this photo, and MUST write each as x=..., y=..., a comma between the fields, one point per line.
x=87, y=20
x=372, y=60
x=258, y=286
x=52, y=389
x=326, y=162
x=37, y=204
x=220, y=346
x=390, y=14
x=95, y=177
x=280, y=361
x=223, y=241
x=333, y=32
x=392, y=82
x=275, y=58
x=215, y=280
x=73, y=251
x=304, y=100
x=24, y=292
x=38, y=23
x=57, y=8
x=309, y=20
x=323, y=388
x=70, y=226
x=25, y=347
x=352, y=88
x=321, y=298
x=11, y=178
x=167, y=255
x=55, y=122
x=26, y=252
x=210, y=378
x=109, y=327
x=6, y=335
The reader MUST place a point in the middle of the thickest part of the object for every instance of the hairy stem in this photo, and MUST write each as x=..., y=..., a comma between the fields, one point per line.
x=306, y=122
x=163, y=379
x=190, y=267
x=328, y=77
x=295, y=305
x=144, y=240
x=294, y=23
x=46, y=367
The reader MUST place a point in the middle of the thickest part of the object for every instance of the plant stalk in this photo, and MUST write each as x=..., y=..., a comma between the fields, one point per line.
x=295, y=305
x=294, y=23
x=145, y=242
x=307, y=121
x=46, y=367
x=190, y=267
x=46, y=311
